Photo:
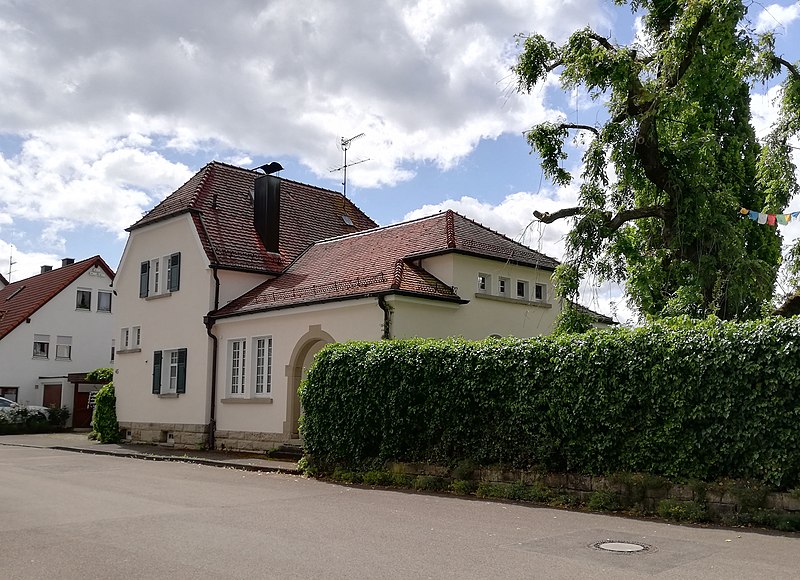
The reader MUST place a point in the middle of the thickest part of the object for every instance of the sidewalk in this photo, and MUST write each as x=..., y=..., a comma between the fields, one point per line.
x=80, y=443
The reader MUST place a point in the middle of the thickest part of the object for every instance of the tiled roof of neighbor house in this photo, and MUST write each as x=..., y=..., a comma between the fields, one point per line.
x=20, y=300
x=382, y=261
x=219, y=199
x=600, y=318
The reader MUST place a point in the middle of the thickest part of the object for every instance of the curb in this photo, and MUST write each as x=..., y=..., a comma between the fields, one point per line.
x=174, y=458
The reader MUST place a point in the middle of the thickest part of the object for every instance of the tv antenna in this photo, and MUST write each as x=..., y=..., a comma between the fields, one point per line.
x=11, y=261
x=345, y=145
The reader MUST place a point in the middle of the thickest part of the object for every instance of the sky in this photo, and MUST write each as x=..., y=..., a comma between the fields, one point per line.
x=108, y=107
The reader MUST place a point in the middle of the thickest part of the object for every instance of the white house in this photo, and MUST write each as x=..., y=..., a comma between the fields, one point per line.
x=55, y=327
x=228, y=288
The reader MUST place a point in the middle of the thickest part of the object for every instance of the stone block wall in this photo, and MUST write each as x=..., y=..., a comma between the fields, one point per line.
x=184, y=435
x=248, y=441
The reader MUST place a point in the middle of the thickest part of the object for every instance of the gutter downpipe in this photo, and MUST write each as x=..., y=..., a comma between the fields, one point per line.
x=209, y=322
x=387, y=317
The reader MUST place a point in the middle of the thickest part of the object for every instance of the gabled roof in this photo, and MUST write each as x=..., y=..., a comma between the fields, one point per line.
x=382, y=261
x=20, y=300
x=219, y=200
x=599, y=318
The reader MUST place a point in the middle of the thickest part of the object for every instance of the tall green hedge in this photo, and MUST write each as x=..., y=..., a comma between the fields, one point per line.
x=699, y=400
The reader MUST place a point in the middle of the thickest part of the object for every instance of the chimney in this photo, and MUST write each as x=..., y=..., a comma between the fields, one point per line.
x=46, y=269
x=67, y=261
x=267, y=210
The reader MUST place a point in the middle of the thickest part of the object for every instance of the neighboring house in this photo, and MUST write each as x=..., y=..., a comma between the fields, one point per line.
x=53, y=325
x=229, y=287
x=3, y=282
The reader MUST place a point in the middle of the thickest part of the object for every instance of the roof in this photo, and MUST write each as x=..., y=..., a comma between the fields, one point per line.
x=20, y=300
x=219, y=200
x=382, y=261
x=596, y=316
x=3, y=281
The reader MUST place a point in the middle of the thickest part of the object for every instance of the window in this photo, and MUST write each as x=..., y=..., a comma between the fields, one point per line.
x=160, y=275
x=103, y=301
x=237, y=375
x=540, y=292
x=504, y=287
x=522, y=289
x=113, y=349
x=125, y=339
x=41, y=345
x=169, y=371
x=9, y=393
x=136, y=339
x=484, y=283
x=84, y=300
x=63, y=347
x=263, y=370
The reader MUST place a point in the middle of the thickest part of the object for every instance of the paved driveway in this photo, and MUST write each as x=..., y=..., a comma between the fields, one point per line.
x=69, y=515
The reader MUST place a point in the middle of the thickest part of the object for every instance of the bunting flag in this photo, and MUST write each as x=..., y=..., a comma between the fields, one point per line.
x=770, y=219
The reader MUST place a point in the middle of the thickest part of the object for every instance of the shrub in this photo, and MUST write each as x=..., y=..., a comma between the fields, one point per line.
x=104, y=419
x=680, y=399
x=58, y=417
x=375, y=477
x=463, y=487
x=681, y=511
x=429, y=483
x=603, y=501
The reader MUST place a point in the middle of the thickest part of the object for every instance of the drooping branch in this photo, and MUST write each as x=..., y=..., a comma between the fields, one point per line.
x=612, y=224
x=691, y=46
x=602, y=41
x=789, y=66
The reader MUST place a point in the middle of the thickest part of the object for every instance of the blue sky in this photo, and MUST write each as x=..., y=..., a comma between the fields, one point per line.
x=108, y=107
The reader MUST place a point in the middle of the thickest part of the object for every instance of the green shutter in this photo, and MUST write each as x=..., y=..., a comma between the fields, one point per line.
x=181, y=370
x=157, y=372
x=175, y=272
x=144, y=279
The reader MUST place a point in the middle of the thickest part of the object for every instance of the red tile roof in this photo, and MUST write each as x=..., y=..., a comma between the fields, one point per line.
x=19, y=300
x=382, y=261
x=219, y=199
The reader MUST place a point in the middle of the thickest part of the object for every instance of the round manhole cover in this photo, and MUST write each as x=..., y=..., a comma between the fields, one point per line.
x=621, y=547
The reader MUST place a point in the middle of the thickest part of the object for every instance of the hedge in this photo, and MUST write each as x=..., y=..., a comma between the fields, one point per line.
x=685, y=400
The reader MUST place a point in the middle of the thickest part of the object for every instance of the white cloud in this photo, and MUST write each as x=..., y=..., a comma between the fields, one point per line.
x=777, y=17
x=25, y=264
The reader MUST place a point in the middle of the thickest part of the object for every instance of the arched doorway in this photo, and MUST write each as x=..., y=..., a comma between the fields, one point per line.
x=302, y=357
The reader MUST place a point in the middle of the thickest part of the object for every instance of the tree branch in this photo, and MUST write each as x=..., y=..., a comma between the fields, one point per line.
x=789, y=66
x=602, y=41
x=612, y=223
x=579, y=126
x=688, y=56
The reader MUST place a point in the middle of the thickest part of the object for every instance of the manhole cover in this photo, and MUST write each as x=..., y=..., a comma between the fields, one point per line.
x=621, y=547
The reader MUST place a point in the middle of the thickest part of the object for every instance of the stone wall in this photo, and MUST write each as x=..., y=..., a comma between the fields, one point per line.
x=248, y=441
x=178, y=435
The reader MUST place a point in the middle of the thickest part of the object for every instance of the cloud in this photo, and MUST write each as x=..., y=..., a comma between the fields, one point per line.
x=778, y=17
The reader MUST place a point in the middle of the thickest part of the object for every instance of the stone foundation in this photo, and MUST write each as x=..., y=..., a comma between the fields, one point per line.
x=178, y=435
x=248, y=441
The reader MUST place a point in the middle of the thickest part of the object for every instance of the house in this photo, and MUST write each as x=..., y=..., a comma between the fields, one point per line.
x=228, y=288
x=53, y=325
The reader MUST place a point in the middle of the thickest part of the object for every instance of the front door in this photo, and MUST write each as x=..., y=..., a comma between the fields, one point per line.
x=82, y=417
x=52, y=396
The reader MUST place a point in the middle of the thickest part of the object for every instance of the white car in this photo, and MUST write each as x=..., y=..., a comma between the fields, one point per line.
x=7, y=404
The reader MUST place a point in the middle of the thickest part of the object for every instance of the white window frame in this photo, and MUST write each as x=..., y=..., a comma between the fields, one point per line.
x=101, y=293
x=504, y=287
x=41, y=339
x=484, y=283
x=542, y=290
x=136, y=337
x=262, y=366
x=526, y=288
x=237, y=374
x=169, y=372
x=124, y=339
x=63, y=343
x=77, y=303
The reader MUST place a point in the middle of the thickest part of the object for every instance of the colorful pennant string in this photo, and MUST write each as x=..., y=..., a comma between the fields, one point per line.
x=770, y=219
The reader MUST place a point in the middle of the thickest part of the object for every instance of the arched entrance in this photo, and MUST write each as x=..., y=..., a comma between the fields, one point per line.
x=302, y=357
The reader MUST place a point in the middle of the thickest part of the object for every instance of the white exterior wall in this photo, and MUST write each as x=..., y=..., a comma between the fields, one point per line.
x=91, y=333
x=482, y=316
x=167, y=323
x=233, y=284
x=347, y=320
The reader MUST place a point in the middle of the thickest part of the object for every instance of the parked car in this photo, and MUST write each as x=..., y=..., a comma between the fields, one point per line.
x=6, y=406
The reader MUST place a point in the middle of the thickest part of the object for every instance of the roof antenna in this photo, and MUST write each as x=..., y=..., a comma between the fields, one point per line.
x=345, y=145
x=11, y=261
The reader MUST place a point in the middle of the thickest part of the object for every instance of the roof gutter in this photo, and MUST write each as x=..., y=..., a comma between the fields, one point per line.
x=209, y=322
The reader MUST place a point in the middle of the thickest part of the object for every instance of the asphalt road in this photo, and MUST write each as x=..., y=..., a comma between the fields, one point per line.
x=67, y=515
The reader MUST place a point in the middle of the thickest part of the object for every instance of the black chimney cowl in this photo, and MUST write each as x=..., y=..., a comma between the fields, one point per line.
x=267, y=210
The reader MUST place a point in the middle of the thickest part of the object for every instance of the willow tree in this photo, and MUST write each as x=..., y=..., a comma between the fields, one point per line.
x=662, y=180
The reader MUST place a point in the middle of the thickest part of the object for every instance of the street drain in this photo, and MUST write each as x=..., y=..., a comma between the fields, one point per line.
x=621, y=547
